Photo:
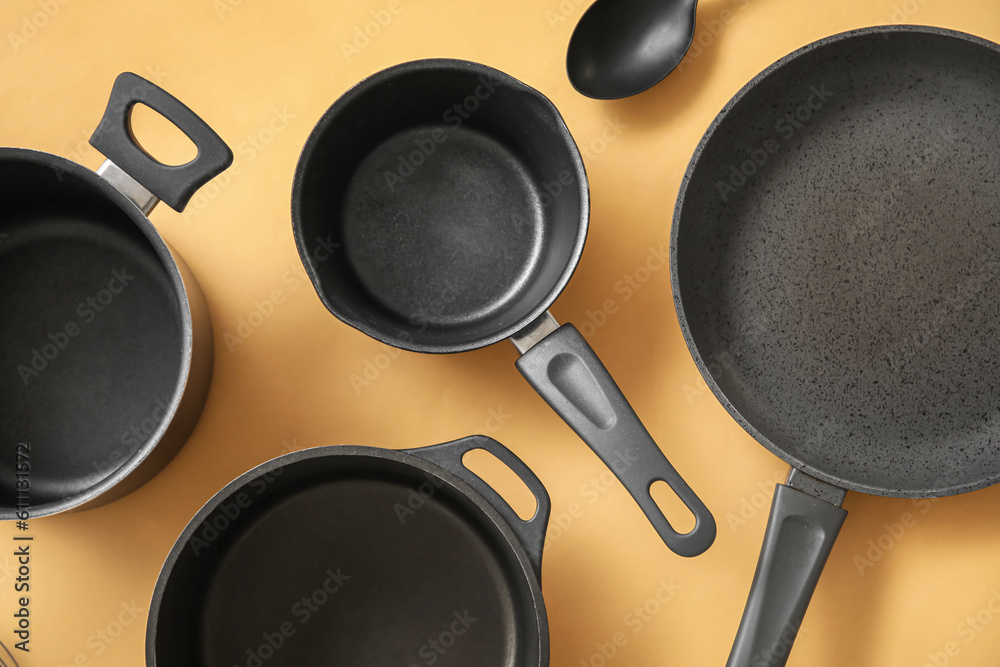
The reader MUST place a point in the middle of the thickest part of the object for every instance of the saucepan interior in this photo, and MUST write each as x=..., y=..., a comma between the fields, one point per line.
x=95, y=340
x=440, y=205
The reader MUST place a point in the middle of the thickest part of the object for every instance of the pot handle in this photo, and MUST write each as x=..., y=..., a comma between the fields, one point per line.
x=113, y=137
x=566, y=372
x=800, y=534
x=531, y=533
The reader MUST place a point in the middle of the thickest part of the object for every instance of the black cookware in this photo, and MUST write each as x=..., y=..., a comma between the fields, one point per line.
x=834, y=265
x=441, y=206
x=356, y=556
x=105, y=342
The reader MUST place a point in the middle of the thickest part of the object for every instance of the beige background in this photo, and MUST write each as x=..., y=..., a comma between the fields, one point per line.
x=263, y=72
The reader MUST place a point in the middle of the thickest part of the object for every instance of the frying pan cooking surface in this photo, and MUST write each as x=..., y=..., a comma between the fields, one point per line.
x=835, y=258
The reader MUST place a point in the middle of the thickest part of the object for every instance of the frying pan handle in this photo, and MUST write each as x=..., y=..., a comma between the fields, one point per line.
x=798, y=540
x=531, y=533
x=114, y=138
x=566, y=372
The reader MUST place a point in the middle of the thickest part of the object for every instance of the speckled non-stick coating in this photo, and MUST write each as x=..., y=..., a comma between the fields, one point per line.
x=837, y=272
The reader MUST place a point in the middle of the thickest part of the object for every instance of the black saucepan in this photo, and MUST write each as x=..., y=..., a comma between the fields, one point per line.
x=356, y=556
x=834, y=265
x=105, y=344
x=440, y=206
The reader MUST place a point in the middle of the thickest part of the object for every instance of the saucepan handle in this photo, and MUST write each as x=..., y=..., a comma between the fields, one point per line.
x=175, y=185
x=799, y=537
x=566, y=372
x=531, y=533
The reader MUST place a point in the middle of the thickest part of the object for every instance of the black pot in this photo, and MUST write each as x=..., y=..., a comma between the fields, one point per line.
x=356, y=556
x=106, y=344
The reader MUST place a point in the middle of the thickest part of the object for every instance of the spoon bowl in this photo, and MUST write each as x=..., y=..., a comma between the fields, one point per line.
x=623, y=47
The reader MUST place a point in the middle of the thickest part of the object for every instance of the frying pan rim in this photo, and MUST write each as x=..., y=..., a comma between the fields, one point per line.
x=411, y=461
x=689, y=339
x=406, y=69
x=115, y=197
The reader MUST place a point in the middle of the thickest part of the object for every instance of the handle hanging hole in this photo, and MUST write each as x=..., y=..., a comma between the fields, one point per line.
x=677, y=513
x=159, y=138
x=503, y=480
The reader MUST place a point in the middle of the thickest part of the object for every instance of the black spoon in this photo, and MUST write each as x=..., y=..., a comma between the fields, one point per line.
x=623, y=47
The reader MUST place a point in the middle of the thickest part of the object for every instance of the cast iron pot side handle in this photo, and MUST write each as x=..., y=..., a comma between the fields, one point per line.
x=531, y=533
x=113, y=137
x=566, y=372
x=800, y=534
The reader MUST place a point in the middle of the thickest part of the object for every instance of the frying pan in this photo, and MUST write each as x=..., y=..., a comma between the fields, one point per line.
x=105, y=342
x=357, y=556
x=833, y=259
x=441, y=206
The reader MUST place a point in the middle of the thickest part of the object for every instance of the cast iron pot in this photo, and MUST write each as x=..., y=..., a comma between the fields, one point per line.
x=106, y=345
x=441, y=206
x=834, y=266
x=357, y=556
